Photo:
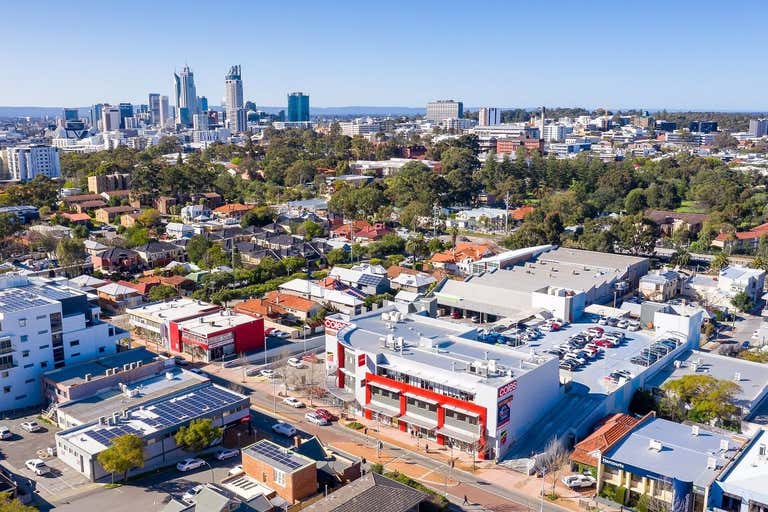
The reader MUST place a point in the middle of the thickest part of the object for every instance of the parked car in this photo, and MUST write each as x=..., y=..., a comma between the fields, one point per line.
x=5, y=432
x=37, y=466
x=190, y=496
x=280, y=334
x=293, y=402
x=623, y=324
x=251, y=372
x=612, y=322
x=579, y=481
x=325, y=413
x=455, y=315
x=237, y=470
x=267, y=373
x=227, y=453
x=190, y=464
x=634, y=326
x=284, y=429
x=295, y=362
x=315, y=418
x=31, y=426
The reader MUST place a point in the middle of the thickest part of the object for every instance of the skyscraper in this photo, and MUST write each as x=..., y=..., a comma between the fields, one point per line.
x=96, y=115
x=186, y=96
x=165, y=112
x=154, y=107
x=298, y=107
x=489, y=116
x=126, y=110
x=233, y=85
x=71, y=114
x=110, y=118
x=758, y=127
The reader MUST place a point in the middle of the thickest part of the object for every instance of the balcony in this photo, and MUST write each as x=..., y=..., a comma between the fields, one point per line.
x=6, y=346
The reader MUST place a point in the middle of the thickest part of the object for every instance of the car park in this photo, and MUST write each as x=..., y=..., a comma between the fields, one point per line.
x=612, y=322
x=315, y=418
x=190, y=496
x=31, y=426
x=37, y=466
x=227, y=453
x=295, y=362
x=284, y=429
x=325, y=413
x=578, y=481
x=5, y=433
x=190, y=464
x=293, y=402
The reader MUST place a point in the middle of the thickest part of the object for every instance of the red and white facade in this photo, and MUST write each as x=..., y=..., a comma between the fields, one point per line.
x=437, y=382
x=217, y=335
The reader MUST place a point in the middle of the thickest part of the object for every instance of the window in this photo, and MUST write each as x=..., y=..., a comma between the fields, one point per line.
x=44, y=364
x=21, y=397
x=76, y=354
x=44, y=331
x=101, y=349
x=30, y=365
x=6, y=389
x=24, y=338
x=40, y=317
x=74, y=343
x=25, y=353
x=22, y=322
x=3, y=374
x=29, y=381
x=279, y=477
x=43, y=347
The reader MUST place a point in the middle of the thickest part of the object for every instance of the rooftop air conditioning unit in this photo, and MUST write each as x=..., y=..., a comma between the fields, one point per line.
x=168, y=375
x=695, y=430
x=737, y=377
x=385, y=317
x=678, y=364
x=655, y=445
x=694, y=367
x=723, y=445
x=711, y=463
x=88, y=377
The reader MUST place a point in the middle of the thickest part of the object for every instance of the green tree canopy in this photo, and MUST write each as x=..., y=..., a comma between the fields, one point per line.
x=704, y=397
x=200, y=434
x=162, y=292
x=125, y=453
x=70, y=251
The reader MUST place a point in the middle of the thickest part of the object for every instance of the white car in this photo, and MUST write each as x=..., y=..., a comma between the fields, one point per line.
x=634, y=326
x=284, y=429
x=227, y=453
x=190, y=464
x=37, y=466
x=623, y=324
x=315, y=418
x=280, y=334
x=267, y=373
x=31, y=426
x=191, y=495
x=295, y=362
x=237, y=470
x=5, y=432
x=293, y=402
x=578, y=481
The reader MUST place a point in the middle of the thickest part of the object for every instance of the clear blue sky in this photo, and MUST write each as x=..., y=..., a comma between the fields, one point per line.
x=677, y=54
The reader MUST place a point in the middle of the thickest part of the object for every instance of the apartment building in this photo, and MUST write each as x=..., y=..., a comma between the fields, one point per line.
x=45, y=325
x=27, y=162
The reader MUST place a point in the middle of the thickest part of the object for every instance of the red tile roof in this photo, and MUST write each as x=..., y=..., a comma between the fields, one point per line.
x=461, y=252
x=520, y=213
x=752, y=234
x=612, y=429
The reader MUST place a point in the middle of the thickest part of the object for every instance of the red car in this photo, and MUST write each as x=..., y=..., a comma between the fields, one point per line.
x=605, y=343
x=326, y=415
x=554, y=326
x=269, y=330
x=455, y=315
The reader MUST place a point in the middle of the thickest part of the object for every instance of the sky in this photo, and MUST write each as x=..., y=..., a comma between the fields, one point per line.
x=680, y=54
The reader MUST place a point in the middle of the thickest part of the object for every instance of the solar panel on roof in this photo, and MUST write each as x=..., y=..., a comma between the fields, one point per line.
x=278, y=454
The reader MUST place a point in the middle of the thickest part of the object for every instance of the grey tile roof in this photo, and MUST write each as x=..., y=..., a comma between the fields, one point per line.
x=371, y=493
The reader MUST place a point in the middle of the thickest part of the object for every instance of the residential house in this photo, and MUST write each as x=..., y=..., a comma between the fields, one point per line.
x=176, y=230
x=331, y=293
x=109, y=214
x=671, y=221
x=741, y=241
x=116, y=297
x=460, y=258
x=373, y=493
x=70, y=201
x=232, y=211
x=116, y=259
x=735, y=279
x=370, y=279
x=88, y=206
x=163, y=204
x=478, y=219
x=209, y=199
x=195, y=213
x=417, y=283
x=334, y=467
x=76, y=218
x=293, y=476
x=86, y=283
x=92, y=247
x=156, y=253
x=659, y=286
x=361, y=231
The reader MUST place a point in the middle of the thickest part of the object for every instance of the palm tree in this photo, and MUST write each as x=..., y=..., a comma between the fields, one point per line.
x=681, y=257
x=720, y=261
x=417, y=247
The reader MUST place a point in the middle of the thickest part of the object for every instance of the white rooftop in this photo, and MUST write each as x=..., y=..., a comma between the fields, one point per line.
x=177, y=309
x=215, y=322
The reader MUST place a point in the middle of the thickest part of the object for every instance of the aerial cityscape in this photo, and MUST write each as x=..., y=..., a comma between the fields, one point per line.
x=358, y=258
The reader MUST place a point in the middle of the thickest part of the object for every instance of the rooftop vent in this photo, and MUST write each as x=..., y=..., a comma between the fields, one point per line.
x=168, y=375
x=723, y=445
x=655, y=445
x=695, y=430
x=737, y=377
x=711, y=463
x=88, y=377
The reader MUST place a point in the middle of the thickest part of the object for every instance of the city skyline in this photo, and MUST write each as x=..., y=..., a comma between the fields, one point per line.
x=679, y=56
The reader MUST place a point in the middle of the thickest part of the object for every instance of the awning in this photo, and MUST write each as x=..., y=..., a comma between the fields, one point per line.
x=419, y=421
x=462, y=411
x=460, y=435
x=421, y=398
x=384, y=386
x=383, y=409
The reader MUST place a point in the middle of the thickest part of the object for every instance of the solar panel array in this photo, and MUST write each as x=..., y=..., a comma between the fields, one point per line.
x=55, y=293
x=181, y=409
x=369, y=280
x=105, y=436
x=16, y=299
x=278, y=454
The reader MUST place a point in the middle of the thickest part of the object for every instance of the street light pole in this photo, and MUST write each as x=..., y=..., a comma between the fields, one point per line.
x=213, y=476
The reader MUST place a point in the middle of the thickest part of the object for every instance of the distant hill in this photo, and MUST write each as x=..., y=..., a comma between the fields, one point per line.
x=39, y=112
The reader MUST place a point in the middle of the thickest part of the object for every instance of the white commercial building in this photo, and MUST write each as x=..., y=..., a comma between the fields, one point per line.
x=360, y=127
x=153, y=321
x=45, y=325
x=441, y=110
x=26, y=162
x=434, y=379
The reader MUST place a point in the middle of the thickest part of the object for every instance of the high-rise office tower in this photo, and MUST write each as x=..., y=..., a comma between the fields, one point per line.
x=441, y=110
x=186, y=96
x=202, y=103
x=165, y=112
x=110, y=118
x=298, y=107
x=489, y=116
x=126, y=110
x=154, y=107
x=758, y=127
x=96, y=115
x=233, y=85
x=71, y=114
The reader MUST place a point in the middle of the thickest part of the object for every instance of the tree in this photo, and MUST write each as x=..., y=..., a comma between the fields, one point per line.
x=259, y=216
x=200, y=434
x=8, y=504
x=125, y=453
x=136, y=236
x=162, y=292
x=681, y=257
x=742, y=302
x=70, y=251
x=554, y=457
x=310, y=230
x=293, y=263
x=149, y=218
x=635, y=201
x=336, y=256
x=417, y=246
x=197, y=248
x=9, y=224
x=701, y=398
x=720, y=261
x=435, y=245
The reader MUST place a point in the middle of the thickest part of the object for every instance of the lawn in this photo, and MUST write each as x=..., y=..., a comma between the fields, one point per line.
x=690, y=207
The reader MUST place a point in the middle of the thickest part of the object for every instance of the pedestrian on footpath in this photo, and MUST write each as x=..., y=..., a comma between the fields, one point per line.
x=426, y=447
x=365, y=430
x=466, y=500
